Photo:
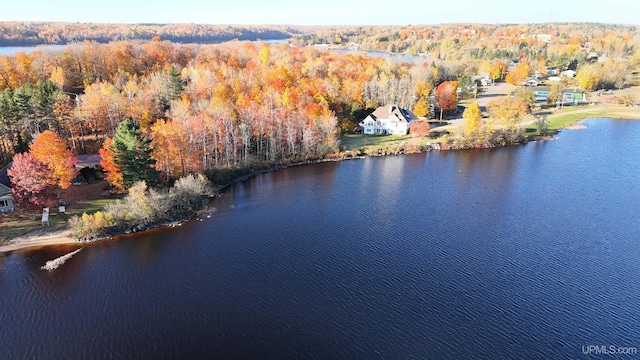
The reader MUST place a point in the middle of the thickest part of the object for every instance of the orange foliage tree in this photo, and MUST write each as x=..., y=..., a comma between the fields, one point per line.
x=519, y=74
x=108, y=163
x=446, y=96
x=51, y=150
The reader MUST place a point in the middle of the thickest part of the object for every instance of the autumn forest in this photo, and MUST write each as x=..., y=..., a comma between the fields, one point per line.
x=238, y=103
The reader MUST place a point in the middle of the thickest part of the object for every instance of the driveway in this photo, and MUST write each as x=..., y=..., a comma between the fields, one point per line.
x=489, y=93
x=493, y=92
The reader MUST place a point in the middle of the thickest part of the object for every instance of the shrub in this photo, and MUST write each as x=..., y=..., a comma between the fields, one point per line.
x=91, y=226
x=145, y=206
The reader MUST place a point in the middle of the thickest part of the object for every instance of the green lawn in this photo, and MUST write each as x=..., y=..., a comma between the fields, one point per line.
x=563, y=121
x=14, y=225
x=358, y=141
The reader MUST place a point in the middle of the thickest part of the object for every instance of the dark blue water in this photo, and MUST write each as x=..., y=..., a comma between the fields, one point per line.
x=524, y=252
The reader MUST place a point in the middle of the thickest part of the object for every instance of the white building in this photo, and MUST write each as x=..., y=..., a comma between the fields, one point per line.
x=389, y=119
x=6, y=201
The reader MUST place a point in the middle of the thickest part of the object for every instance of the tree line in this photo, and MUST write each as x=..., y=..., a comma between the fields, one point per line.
x=195, y=108
x=464, y=42
x=13, y=33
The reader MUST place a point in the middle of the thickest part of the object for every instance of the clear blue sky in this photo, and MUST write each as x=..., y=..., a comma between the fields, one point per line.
x=323, y=12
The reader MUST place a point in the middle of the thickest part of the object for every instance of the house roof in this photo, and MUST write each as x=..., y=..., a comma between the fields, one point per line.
x=388, y=112
x=548, y=89
x=4, y=177
x=4, y=189
x=88, y=160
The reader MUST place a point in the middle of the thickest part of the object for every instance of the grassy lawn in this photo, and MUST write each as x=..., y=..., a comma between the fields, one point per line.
x=570, y=119
x=14, y=224
x=562, y=121
x=358, y=141
x=80, y=199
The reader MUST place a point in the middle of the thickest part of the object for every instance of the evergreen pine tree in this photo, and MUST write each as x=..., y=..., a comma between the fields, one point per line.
x=132, y=152
x=176, y=87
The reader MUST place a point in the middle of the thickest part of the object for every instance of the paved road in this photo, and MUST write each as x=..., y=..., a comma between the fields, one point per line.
x=489, y=93
x=492, y=92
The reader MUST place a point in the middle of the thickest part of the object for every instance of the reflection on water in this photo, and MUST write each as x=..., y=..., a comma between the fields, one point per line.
x=478, y=254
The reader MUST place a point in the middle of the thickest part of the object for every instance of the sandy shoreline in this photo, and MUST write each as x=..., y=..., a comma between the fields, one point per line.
x=62, y=237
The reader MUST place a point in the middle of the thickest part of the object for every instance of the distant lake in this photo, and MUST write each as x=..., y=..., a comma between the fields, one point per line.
x=10, y=50
x=382, y=54
x=527, y=252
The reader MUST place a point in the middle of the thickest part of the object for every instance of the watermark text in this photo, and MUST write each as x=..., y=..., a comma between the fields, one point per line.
x=608, y=350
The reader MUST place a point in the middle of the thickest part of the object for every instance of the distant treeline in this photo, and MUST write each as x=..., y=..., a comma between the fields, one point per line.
x=483, y=41
x=54, y=33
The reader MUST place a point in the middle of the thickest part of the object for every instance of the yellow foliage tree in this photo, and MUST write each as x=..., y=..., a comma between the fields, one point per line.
x=421, y=109
x=57, y=77
x=509, y=110
x=472, y=119
x=519, y=74
x=423, y=89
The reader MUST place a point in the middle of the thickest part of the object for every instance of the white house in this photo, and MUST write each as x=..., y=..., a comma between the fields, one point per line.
x=568, y=73
x=532, y=81
x=389, y=119
x=6, y=201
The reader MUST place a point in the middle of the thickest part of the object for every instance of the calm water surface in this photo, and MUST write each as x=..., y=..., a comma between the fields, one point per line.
x=524, y=252
x=12, y=50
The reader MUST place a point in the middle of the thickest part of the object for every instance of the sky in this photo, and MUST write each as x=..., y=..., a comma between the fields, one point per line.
x=323, y=12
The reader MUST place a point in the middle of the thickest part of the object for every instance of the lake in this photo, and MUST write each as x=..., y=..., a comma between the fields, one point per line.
x=527, y=252
x=393, y=56
x=11, y=50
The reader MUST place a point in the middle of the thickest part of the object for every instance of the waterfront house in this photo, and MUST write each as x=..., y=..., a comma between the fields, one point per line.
x=6, y=201
x=568, y=73
x=389, y=119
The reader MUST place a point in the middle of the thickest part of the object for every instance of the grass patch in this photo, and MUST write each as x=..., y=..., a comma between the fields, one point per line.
x=563, y=121
x=13, y=225
x=350, y=142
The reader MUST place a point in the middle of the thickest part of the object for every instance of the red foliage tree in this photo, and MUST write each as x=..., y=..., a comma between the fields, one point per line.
x=446, y=96
x=419, y=127
x=34, y=185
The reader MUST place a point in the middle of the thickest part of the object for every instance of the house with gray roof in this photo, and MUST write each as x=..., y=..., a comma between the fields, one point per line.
x=386, y=120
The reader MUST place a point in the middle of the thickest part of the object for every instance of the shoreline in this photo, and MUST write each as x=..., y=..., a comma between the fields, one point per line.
x=64, y=237
x=60, y=237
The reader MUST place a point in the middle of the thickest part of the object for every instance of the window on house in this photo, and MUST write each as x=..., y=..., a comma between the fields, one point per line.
x=4, y=203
